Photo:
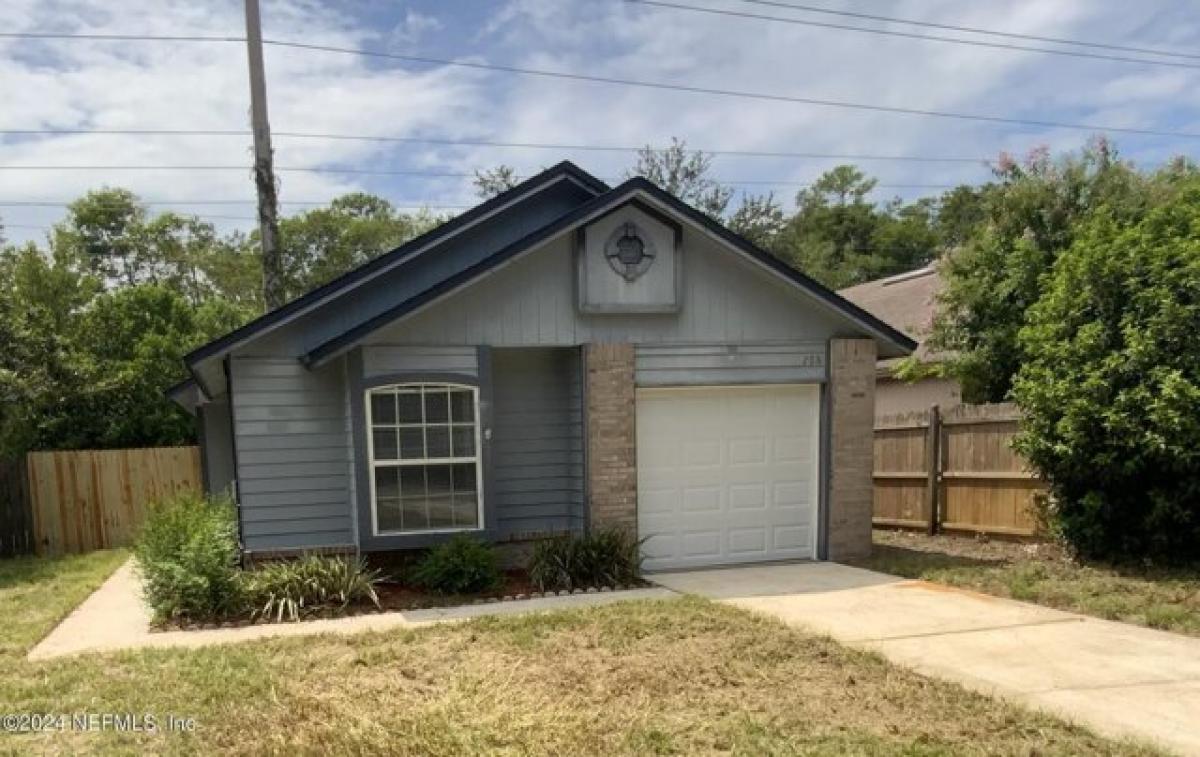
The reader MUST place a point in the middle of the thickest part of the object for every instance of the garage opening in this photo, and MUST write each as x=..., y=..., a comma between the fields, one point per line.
x=727, y=474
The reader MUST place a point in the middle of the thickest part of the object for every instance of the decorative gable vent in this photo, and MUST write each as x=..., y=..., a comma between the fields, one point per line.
x=629, y=262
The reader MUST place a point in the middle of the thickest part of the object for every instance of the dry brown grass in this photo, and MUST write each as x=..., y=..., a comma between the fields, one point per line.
x=1164, y=598
x=674, y=676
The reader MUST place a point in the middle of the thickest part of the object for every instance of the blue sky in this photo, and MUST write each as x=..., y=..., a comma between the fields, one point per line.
x=74, y=84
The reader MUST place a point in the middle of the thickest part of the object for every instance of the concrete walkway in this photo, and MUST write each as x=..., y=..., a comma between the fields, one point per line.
x=115, y=617
x=1120, y=679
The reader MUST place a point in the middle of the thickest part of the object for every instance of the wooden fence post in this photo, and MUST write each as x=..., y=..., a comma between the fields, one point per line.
x=933, y=467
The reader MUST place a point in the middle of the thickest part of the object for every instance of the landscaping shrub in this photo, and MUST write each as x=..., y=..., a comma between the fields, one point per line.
x=459, y=566
x=607, y=557
x=308, y=585
x=188, y=554
x=1111, y=386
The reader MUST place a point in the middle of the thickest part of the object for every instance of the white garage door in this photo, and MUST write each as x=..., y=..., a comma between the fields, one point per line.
x=727, y=474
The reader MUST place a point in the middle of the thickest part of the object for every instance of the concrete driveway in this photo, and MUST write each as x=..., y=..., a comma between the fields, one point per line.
x=1120, y=679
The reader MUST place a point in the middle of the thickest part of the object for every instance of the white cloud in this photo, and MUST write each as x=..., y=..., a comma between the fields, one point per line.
x=203, y=86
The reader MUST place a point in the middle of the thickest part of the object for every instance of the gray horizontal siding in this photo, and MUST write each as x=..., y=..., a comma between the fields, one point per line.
x=217, y=439
x=371, y=298
x=382, y=360
x=537, y=445
x=293, y=454
x=711, y=364
x=531, y=302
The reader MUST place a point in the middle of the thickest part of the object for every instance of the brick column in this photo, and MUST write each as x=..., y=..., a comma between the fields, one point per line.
x=851, y=447
x=611, y=443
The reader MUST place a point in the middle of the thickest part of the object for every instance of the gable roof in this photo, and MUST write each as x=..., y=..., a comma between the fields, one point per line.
x=599, y=205
x=908, y=301
x=564, y=170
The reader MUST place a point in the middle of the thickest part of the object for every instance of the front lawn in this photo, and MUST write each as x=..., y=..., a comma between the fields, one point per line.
x=1157, y=597
x=36, y=593
x=654, y=677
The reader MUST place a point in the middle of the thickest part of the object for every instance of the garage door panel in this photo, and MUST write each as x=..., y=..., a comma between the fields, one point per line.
x=791, y=537
x=656, y=501
x=701, y=454
x=748, y=496
x=792, y=449
x=661, y=546
x=748, y=451
x=740, y=467
x=701, y=499
x=700, y=544
x=747, y=541
x=792, y=494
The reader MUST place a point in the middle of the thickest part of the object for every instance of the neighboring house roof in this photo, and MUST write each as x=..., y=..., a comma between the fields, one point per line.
x=907, y=301
x=409, y=259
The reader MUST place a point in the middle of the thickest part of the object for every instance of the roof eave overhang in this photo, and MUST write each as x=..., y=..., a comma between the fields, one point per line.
x=893, y=343
x=219, y=348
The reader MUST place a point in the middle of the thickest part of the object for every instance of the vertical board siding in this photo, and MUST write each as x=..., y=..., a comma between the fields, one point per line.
x=537, y=441
x=983, y=484
x=84, y=500
x=293, y=442
x=715, y=364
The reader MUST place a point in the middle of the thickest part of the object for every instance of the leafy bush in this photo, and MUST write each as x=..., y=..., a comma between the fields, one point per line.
x=188, y=553
x=459, y=566
x=607, y=557
x=1111, y=387
x=296, y=588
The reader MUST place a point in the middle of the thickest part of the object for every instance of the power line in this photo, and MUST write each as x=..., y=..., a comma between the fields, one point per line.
x=117, y=37
x=65, y=203
x=107, y=37
x=720, y=92
x=912, y=35
x=402, y=172
x=733, y=93
x=973, y=29
x=501, y=144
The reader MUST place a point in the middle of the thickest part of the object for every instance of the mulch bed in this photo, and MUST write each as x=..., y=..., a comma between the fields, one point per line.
x=397, y=596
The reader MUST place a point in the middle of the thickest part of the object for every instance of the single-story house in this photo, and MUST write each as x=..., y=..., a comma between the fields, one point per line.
x=564, y=356
x=908, y=301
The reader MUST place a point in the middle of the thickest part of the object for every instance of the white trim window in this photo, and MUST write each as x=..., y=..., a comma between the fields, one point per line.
x=423, y=452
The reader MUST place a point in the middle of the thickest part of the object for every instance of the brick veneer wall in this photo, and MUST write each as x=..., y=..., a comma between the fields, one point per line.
x=612, y=443
x=851, y=447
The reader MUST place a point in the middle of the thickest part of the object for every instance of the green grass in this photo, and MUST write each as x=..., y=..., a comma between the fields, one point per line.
x=36, y=593
x=1168, y=599
x=679, y=676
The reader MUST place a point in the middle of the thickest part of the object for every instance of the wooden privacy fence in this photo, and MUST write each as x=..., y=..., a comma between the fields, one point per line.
x=955, y=471
x=16, y=517
x=82, y=500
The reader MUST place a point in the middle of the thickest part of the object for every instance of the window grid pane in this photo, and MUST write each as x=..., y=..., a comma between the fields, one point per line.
x=411, y=425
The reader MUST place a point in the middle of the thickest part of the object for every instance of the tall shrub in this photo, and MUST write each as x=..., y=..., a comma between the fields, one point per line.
x=187, y=551
x=1111, y=386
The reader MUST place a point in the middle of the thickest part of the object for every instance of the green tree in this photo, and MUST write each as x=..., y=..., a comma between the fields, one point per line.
x=321, y=244
x=493, y=181
x=683, y=173
x=102, y=231
x=992, y=279
x=1110, y=382
x=759, y=218
x=41, y=298
x=839, y=237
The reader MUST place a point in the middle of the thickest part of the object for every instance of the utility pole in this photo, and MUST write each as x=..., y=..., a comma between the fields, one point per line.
x=264, y=172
